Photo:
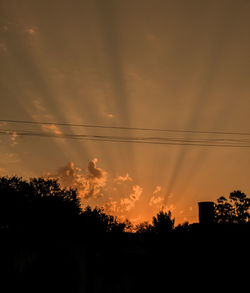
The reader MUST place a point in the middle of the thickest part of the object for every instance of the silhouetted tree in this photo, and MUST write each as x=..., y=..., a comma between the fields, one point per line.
x=163, y=222
x=97, y=221
x=224, y=212
x=55, y=201
x=15, y=197
x=182, y=227
x=236, y=209
x=143, y=228
x=241, y=206
x=36, y=201
x=120, y=226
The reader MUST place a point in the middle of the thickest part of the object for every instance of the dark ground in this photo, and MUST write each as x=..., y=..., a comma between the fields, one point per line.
x=206, y=258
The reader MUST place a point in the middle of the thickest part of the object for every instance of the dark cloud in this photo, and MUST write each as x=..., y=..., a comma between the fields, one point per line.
x=88, y=184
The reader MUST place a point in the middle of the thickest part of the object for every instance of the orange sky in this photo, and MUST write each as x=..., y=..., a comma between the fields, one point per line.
x=182, y=65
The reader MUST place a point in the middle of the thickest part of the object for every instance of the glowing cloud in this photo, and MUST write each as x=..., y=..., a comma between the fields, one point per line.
x=120, y=179
x=129, y=202
x=96, y=179
x=13, y=138
x=69, y=176
x=112, y=206
x=39, y=113
x=52, y=128
x=31, y=31
x=170, y=207
x=157, y=189
x=156, y=200
x=88, y=185
x=38, y=105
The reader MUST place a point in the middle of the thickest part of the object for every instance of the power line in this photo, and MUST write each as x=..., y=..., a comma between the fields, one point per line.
x=124, y=128
x=120, y=139
x=63, y=135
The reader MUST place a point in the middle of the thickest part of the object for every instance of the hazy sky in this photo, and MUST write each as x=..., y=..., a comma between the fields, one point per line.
x=182, y=65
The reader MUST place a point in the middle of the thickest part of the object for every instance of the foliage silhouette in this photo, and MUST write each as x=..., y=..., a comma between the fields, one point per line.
x=97, y=221
x=44, y=203
x=38, y=201
x=161, y=223
x=185, y=227
x=236, y=209
x=143, y=228
x=102, y=258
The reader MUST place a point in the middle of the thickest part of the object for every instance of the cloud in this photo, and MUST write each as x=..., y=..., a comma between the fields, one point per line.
x=112, y=206
x=38, y=105
x=95, y=172
x=156, y=200
x=121, y=205
x=69, y=176
x=52, y=128
x=129, y=202
x=109, y=115
x=88, y=184
x=170, y=207
x=31, y=31
x=13, y=137
x=157, y=189
x=96, y=179
x=39, y=113
x=120, y=179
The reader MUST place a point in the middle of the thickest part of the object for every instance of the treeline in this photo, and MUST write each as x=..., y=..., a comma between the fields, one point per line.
x=50, y=244
x=43, y=204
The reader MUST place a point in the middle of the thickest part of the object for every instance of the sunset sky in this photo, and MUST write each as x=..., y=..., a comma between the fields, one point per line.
x=180, y=66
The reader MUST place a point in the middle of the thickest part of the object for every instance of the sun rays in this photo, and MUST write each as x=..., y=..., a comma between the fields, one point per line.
x=150, y=66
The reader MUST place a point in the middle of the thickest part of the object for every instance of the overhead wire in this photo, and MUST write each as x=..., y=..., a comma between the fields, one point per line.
x=124, y=127
x=126, y=139
x=63, y=135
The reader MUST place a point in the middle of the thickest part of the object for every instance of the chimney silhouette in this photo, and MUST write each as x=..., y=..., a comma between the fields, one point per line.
x=206, y=212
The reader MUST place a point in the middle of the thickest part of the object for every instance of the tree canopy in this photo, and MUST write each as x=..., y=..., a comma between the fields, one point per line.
x=37, y=200
x=98, y=221
x=235, y=209
x=161, y=223
x=43, y=202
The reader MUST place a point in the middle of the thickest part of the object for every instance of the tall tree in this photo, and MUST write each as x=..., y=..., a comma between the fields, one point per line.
x=163, y=222
x=97, y=221
x=235, y=209
x=35, y=201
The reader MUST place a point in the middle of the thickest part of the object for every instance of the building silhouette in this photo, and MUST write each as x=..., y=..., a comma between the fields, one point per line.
x=206, y=212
